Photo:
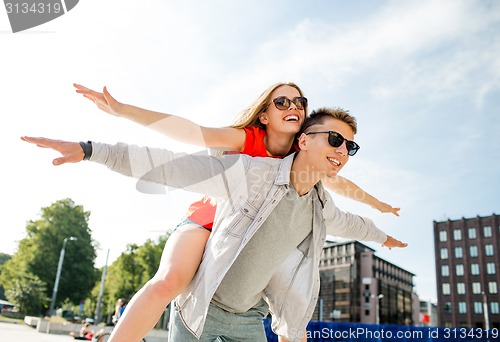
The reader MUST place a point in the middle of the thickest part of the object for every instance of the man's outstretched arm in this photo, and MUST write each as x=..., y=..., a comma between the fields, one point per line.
x=197, y=173
x=72, y=152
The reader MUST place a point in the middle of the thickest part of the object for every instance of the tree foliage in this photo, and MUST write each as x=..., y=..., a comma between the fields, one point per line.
x=38, y=253
x=131, y=270
x=28, y=292
x=3, y=258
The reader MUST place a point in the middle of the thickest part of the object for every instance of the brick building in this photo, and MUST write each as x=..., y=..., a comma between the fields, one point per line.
x=468, y=272
x=358, y=286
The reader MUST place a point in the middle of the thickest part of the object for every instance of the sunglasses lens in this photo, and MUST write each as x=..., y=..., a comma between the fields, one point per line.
x=300, y=102
x=335, y=139
x=352, y=148
x=282, y=103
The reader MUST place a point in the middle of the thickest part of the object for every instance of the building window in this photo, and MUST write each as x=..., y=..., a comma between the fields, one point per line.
x=487, y=231
x=472, y=233
x=443, y=236
x=462, y=307
x=490, y=268
x=458, y=252
x=492, y=287
x=494, y=308
x=478, y=307
x=445, y=270
x=460, y=288
x=457, y=234
x=447, y=307
x=474, y=269
x=476, y=287
x=488, y=249
x=473, y=251
x=446, y=288
x=460, y=270
x=444, y=253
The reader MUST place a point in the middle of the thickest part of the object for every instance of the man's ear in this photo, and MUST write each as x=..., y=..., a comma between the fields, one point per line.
x=302, y=141
x=263, y=118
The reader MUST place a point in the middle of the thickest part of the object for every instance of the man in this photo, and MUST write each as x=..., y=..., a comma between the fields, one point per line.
x=270, y=227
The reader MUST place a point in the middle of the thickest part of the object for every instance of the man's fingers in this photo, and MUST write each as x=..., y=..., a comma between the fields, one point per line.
x=33, y=140
x=58, y=161
x=41, y=142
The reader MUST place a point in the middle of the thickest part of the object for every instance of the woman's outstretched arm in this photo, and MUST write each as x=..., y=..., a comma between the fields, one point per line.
x=175, y=127
x=346, y=188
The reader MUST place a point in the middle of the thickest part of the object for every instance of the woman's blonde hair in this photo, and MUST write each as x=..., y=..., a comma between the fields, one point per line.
x=251, y=115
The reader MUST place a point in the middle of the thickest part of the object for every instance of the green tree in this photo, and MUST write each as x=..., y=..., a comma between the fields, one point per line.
x=3, y=258
x=38, y=253
x=149, y=256
x=132, y=270
x=29, y=294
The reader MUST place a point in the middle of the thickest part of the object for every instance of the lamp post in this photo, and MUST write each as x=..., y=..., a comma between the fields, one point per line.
x=58, y=274
x=377, y=310
x=101, y=291
x=485, y=310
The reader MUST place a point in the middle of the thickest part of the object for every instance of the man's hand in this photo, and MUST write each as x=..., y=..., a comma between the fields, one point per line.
x=104, y=101
x=71, y=152
x=393, y=243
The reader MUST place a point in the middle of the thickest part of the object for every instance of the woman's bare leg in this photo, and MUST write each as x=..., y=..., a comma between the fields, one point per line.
x=179, y=262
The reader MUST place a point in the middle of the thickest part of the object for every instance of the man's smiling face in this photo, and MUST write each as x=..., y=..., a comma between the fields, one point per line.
x=324, y=157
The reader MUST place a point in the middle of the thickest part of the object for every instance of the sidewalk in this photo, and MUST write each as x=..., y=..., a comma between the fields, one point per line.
x=22, y=333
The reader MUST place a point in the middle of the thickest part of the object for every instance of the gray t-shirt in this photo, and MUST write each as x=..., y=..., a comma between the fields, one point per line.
x=285, y=228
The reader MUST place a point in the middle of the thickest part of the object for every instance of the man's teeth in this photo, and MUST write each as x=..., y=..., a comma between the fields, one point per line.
x=292, y=118
x=334, y=161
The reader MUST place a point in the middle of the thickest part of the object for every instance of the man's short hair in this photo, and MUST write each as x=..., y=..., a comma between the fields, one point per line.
x=318, y=116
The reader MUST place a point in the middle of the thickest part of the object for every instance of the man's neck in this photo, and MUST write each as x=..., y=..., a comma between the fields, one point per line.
x=302, y=176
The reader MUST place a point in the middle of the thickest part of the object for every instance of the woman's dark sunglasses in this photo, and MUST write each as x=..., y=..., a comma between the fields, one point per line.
x=283, y=103
x=336, y=140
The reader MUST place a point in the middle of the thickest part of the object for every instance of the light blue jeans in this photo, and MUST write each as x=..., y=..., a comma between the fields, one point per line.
x=221, y=326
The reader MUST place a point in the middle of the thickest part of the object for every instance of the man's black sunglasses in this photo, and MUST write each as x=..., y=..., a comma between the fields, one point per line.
x=336, y=139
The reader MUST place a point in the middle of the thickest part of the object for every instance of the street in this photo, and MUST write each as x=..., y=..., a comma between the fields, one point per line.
x=23, y=333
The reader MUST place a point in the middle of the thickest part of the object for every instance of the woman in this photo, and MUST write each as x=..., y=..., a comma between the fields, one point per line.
x=85, y=333
x=121, y=304
x=266, y=129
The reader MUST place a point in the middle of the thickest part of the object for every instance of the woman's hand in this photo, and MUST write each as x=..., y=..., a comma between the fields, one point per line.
x=71, y=152
x=393, y=243
x=386, y=208
x=104, y=101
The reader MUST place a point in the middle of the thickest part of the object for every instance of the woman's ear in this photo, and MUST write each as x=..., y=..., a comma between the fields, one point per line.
x=263, y=118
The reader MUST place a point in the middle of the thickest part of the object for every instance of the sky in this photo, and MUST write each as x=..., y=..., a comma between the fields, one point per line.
x=421, y=77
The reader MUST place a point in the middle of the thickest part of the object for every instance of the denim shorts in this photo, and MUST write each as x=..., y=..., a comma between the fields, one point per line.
x=220, y=326
x=185, y=221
